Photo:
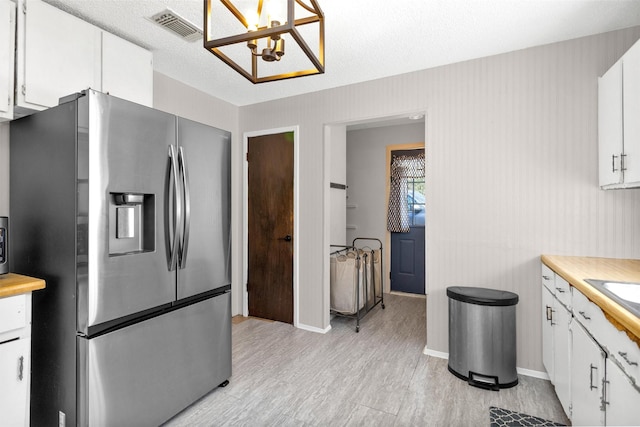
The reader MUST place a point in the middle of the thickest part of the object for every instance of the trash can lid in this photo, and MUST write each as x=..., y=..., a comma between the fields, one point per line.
x=482, y=296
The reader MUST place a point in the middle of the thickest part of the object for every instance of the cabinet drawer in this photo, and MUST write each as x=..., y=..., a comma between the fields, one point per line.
x=548, y=279
x=563, y=291
x=13, y=313
x=619, y=347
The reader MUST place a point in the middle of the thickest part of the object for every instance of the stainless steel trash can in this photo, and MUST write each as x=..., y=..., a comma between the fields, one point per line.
x=482, y=336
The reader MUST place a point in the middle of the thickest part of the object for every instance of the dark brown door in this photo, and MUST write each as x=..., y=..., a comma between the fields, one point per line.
x=270, y=246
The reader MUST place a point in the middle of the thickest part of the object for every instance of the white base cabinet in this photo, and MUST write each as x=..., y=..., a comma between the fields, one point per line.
x=547, y=332
x=562, y=356
x=14, y=382
x=556, y=349
x=15, y=359
x=594, y=367
x=622, y=398
x=587, y=379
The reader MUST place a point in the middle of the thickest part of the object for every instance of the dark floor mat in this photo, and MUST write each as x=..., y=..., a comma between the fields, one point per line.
x=503, y=417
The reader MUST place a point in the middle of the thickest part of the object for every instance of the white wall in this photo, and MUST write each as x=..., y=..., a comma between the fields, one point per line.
x=511, y=173
x=177, y=98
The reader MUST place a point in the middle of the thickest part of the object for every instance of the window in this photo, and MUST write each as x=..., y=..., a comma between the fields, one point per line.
x=416, y=201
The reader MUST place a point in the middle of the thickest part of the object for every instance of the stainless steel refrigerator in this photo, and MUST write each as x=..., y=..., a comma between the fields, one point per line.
x=125, y=212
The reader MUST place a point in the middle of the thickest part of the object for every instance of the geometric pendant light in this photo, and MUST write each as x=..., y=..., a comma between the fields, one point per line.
x=266, y=40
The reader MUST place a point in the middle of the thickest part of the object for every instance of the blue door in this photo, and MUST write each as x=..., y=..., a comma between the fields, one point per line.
x=407, y=249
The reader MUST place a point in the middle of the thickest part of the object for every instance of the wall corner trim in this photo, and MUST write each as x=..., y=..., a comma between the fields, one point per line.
x=313, y=328
x=434, y=353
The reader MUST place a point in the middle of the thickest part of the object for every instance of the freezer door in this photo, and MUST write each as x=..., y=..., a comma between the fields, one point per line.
x=123, y=180
x=205, y=258
x=144, y=374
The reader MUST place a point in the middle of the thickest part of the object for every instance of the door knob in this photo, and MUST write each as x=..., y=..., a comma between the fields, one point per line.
x=286, y=238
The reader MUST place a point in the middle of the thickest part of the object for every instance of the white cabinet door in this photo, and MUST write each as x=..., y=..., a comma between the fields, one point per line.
x=58, y=55
x=547, y=332
x=562, y=355
x=14, y=382
x=7, y=44
x=587, y=375
x=610, y=125
x=127, y=70
x=623, y=399
x=631, y=113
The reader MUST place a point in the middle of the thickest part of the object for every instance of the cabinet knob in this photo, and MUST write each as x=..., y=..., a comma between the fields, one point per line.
x=613, y=163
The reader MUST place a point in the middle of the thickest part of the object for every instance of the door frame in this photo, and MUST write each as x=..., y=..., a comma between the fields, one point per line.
x=387, y=190
x=245, y=215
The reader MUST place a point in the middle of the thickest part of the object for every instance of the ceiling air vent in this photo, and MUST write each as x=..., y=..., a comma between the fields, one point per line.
x=179, y=26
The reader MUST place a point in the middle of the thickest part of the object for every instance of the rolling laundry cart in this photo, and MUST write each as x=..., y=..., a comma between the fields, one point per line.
x=356, y=278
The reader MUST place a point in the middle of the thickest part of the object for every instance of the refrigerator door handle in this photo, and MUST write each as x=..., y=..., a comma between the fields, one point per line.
x=177, y=207
x=187, y=207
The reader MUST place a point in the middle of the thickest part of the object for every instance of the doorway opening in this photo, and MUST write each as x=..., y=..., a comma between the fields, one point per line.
x=355, y=154
x=364, y=157
x=407, y=218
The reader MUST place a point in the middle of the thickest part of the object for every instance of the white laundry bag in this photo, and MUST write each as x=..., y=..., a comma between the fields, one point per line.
x=344, y=280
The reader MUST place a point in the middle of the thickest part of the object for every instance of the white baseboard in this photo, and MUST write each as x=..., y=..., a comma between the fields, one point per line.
x=521, y=371
x=434, y=353
x=313, y=328
x=532, y=373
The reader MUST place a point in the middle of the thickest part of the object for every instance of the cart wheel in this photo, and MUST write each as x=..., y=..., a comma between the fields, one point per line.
x=357, y=328
x=383, y=306
x=224, y=384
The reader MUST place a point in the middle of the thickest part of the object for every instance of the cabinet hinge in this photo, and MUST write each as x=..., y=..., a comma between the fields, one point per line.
x=247, y=156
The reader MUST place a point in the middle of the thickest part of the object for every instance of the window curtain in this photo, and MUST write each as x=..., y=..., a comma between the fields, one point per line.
x=403, y=168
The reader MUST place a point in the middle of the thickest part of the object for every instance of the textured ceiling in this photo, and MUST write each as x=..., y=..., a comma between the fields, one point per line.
x=365, y=39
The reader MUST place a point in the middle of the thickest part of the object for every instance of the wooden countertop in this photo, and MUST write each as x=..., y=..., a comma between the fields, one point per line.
x=15, y=284
x=574, y=269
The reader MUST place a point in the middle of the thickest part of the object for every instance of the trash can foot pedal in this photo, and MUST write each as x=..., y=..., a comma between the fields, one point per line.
x=487, y=382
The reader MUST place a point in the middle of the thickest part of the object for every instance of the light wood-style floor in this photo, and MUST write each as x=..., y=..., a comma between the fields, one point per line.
x=283, y=376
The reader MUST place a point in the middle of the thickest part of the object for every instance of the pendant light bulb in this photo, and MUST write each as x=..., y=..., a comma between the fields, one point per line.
x=253, y=20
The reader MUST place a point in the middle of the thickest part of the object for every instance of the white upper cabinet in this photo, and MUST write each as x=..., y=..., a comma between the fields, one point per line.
x=58, y=54
x=631, y=113
x=610, y=125
x=618, y=124
x=7, y=44
x=127, y=70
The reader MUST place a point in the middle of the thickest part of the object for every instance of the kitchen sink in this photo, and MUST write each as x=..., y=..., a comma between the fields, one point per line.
x=624, y=293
